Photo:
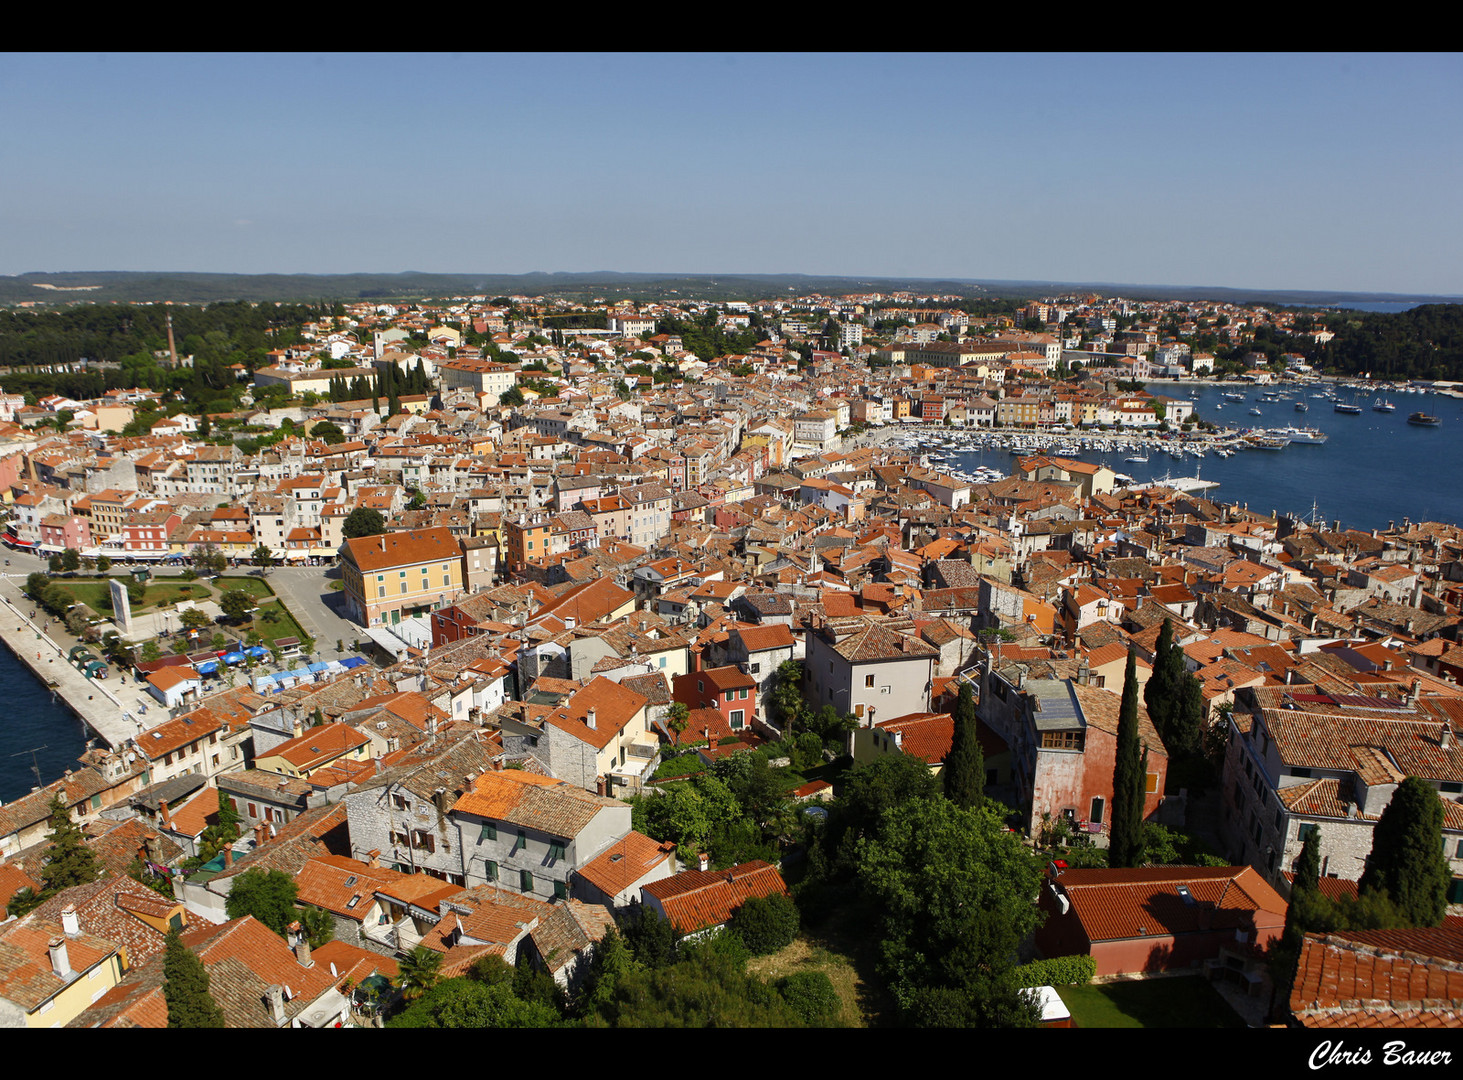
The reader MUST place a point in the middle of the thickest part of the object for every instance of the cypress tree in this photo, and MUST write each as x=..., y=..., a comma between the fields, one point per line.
x=1161, y=693
x=1299, y=914
x=185, y=988
x=70, y=861
x=1407, y=858
x=964, y=772
x=1125, y=841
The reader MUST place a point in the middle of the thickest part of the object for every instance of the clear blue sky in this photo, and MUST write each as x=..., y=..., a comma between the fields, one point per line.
x=1262, y=171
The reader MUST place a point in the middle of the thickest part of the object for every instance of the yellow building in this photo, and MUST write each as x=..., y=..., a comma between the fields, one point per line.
x=51, y=971
x=400, y=574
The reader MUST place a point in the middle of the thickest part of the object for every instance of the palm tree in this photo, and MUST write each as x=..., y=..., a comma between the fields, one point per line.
x=418, y=972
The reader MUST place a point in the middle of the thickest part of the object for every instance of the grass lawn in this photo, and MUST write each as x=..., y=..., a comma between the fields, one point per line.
x=1185, y=1002
x=283, y=625
x=96, y=593
x=255, y=587
x=845, y=957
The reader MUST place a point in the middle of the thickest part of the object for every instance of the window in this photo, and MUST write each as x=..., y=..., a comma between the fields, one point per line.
x=520, y=843
x=400, y=802
x=525, y=881
x=868, y=680
x=1061, y=740
x=1150, y=783
x=490, y=871
x=1095, y=815
x=556, y=850
x=561, y=891
x=742, y=694
x=738, y=718
x=755, y=668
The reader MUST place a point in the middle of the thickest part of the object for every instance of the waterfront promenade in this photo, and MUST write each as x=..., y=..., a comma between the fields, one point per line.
x=109, y=709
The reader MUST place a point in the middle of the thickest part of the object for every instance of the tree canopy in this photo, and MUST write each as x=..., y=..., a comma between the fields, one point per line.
x=964, y=772
x=1407, y=861
x=185, y=988
x=363, y=521
x=268, y=895
x=955, y=892
x=1125, y=839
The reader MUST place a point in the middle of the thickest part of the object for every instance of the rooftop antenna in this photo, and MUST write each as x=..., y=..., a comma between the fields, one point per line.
x=34, y=765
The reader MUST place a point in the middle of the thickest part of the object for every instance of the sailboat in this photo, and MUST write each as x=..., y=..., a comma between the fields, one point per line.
x=1383, y=405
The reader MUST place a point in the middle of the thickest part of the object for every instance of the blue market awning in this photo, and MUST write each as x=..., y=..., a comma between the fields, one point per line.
x=234, y=658
x=206, y=667
x=258, y=652
x=352, y=662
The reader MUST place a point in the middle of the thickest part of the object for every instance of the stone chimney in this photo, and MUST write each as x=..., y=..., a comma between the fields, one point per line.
x=373, y=858
x=1412, y=691
x=60, y=962
x=302, y=950
x=274, y=997
x=71, y=926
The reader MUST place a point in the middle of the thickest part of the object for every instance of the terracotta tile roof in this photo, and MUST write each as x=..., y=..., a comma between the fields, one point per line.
x=373, y=554
x=12, y=880
x=26, y=976
x=1146, y=902
x=925, y=735
x=243, y=958
x=521, y=798
x=195, y=815
x=110, y=908
x=614, y=707
x=1381, y=978
x=697, y=899
x=568, y=929
x=627, y=861
x=322, y=883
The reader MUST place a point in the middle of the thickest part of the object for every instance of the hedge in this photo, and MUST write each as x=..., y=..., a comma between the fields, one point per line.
x=1057, y=971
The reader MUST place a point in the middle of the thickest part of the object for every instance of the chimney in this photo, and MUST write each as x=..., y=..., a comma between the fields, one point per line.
x=162, y=811
x=152, y=846
x=261, y=834
x=1445, y=742
x=373, y=858
x=703, y=861
x=1412, y=691
x=60, y=962
x=228, y=856
x=589, y=718
x=72, y=926
x=274, y=996
x=302, y=951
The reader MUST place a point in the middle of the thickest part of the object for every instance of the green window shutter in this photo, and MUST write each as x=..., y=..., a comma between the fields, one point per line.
x=525, y=881
x=489, y=832
x=561, y=891
x=491, y=871
x=556, y=849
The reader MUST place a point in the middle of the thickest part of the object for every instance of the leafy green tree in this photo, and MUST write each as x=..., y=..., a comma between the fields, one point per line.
x=1125, y=841
x=766, y=924
x=811, y=995
x=677, y=718
x=512, y=397
x=70, y=559
x=467, y=1003
x=268, y=895
x=236, y=604
x=328, y=432
x=194, y=619
x=785, y=701
x=263, y=557
x=964, y=772
x=955, y=894
x=418, y=972
x=1407, y=861
x=103, y=564
x=68, y=860
x=363, y=521
x=652, y=939
x=185, y=988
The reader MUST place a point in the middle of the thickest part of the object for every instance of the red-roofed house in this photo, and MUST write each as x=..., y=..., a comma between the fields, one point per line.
x=699, y=901
x=1161, y=918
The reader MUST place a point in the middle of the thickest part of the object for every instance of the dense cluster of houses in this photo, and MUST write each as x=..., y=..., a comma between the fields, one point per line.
x=583, y=562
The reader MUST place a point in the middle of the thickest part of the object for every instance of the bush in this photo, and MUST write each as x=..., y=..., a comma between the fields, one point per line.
x=1057, y=971
x=810, y=994
x=766, y=924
